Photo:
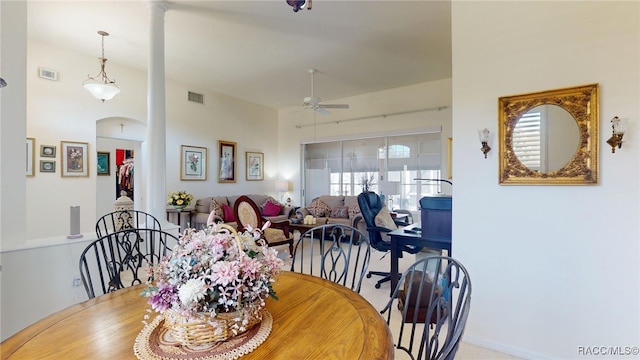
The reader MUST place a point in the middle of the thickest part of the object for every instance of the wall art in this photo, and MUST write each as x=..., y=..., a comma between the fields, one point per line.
x=30, y=160
x=47, y=166
x=193, y=163
x=74, y=158
x=255, y=165
x=48, y=151
x=227, y=164
x=103, y=163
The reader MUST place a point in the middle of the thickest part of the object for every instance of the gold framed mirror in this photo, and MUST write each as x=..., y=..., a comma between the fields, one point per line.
x=549, y=137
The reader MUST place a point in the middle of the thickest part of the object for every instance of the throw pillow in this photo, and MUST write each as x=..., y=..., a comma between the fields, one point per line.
x=318, y=209
x=269, y=199
x=229, y=216
x=383, y=219
x=354, y=210
x=217, y=208
x=271, y=209
x=340, y=212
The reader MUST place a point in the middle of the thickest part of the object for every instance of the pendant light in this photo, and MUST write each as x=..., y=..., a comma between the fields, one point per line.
x=100, y=86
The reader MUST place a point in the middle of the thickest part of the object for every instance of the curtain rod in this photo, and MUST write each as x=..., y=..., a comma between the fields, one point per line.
x=438, y=108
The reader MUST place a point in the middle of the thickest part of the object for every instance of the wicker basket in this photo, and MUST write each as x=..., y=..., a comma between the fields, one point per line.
x=206, y=329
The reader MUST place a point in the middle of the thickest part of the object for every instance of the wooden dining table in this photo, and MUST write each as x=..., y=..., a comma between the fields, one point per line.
x=313, y=319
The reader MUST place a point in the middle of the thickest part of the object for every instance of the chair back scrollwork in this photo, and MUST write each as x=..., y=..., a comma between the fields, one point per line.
x=336, y=252
x=121, y=259
x=432, y=302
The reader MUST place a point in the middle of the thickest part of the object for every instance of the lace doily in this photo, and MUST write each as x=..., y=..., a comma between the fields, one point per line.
x=155, y=342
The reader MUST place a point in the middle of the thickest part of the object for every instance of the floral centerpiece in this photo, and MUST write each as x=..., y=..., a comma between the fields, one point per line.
x=215, y=278
x=179, y=199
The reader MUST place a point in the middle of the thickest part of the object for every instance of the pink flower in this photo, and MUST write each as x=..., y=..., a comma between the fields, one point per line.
x=224, y=272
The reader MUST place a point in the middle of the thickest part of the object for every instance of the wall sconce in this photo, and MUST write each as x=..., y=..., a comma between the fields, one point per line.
x=484, y=139
x=282, y=186
x=619, y=127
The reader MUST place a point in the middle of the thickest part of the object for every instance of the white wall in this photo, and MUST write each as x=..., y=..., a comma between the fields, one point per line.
x=38, y=281
x=64, y=111
x=553, y=267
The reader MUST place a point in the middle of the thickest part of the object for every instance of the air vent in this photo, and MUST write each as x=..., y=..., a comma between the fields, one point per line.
x=195, y=97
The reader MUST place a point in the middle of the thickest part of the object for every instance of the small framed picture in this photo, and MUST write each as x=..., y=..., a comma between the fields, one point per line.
x=227, y=166
x=74, y=158
x=31, y=157
x=193, y=163
x=48, y=151
x=255, y=166
x=47, y=166
x=103, y=163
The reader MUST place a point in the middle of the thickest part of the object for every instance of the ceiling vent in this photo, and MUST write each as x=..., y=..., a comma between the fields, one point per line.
x=195, y=97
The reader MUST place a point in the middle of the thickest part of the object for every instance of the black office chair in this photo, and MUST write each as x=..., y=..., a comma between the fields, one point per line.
x=121, y=259
x=434, y=298
x=125, y=219
x=336, y=252
x=370, y=205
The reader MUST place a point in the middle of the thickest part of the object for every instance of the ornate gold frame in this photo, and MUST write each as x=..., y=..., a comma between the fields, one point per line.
x=582, y=103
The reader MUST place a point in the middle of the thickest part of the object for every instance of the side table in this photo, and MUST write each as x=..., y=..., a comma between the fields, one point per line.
x=178, y=215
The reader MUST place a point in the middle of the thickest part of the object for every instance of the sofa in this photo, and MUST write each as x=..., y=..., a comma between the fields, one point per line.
x=222, y=206
x=337, y=209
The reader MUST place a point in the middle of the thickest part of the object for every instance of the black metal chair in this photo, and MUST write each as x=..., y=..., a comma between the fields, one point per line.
x=121, y=259
x=434, y=297
x=124, y=220
x=370, y=205
x=336, y=252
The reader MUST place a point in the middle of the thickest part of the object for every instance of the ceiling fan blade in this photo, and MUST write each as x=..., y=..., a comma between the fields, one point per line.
x=334, y=106
x=322, y=110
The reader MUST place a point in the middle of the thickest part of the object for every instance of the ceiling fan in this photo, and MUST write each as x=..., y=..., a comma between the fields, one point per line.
x=312, y=102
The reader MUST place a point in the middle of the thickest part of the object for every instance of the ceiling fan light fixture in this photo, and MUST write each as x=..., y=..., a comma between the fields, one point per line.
x=299, y=4
x=100, y=86
x=314, y=103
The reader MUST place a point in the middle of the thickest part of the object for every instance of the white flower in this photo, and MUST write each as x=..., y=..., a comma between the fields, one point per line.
x=192, y=291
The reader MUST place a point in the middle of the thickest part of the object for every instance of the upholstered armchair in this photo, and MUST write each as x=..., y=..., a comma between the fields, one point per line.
x=248, y=215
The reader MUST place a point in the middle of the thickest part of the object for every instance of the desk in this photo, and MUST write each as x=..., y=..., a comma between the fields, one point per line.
x=314, y=319
x=400, y=237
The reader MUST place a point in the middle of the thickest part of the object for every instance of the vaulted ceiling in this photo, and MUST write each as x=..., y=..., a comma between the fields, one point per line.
x=261, y=51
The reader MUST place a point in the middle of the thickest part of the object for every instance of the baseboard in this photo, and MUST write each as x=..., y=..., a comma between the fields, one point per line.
x=506, y=349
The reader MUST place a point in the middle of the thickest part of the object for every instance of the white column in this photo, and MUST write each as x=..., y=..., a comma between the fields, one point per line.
x=156, y=152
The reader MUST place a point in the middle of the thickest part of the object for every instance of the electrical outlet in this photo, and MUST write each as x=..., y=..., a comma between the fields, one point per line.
x=76, y=281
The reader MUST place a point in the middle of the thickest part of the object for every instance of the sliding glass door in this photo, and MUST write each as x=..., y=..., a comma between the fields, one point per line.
x=348, y=167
